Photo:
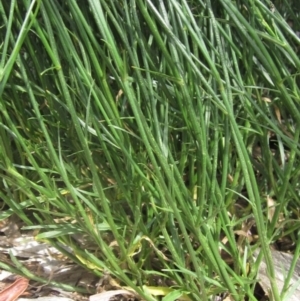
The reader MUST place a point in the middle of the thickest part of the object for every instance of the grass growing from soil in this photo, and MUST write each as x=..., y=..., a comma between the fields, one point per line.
x=160, y=131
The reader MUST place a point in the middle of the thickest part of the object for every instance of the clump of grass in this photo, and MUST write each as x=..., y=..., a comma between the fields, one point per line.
x=135, y=123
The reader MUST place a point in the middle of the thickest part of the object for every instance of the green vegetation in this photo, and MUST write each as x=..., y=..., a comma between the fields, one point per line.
x=157, y=130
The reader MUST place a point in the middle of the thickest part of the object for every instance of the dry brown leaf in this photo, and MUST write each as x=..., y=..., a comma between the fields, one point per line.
x=246, y=228
x=271, y=208
x=282, y=264
x=120, y=93
x=242, y=233
x=105, y=296
x=266, y=99
x=13, y=291
x=230, y=178
x=278, y=114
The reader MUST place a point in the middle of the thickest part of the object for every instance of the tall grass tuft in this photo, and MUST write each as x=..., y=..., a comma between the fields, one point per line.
x=155, y=130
